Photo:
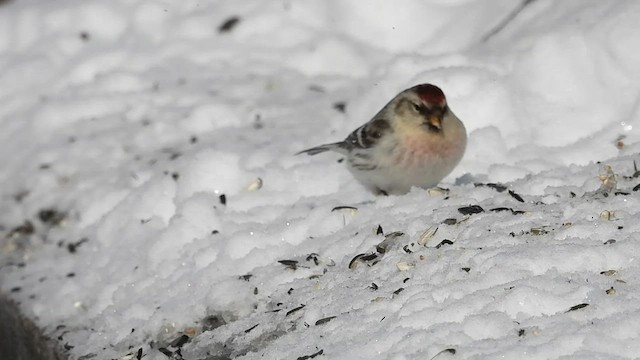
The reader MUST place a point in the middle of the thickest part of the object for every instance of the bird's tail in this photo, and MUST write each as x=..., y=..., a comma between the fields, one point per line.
x=322, y=148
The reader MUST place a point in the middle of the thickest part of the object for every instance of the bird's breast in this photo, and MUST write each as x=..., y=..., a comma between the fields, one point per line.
x=418, y=151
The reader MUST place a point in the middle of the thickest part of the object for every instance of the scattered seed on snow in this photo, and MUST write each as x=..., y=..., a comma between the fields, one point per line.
x=363, y=258
x=373, y=286
x=495, y=186
x=389, y=240
x=290, y=264
x=72, y=247
x=25, y=229
x=255, y=185
x=611, y=291
x=229, y=24
x=294, y=310
x=51, y=217
x=314, y=257
x=340, y=106
x=404, y=265
x=538, y=231
x=179, y=341
x=307, y=357
x=352, y=209
x=608, y=178
x=469, y=210
x=379, y=230
x=607, y=215
x=577, y=307
x=324, y=320
x=465, y=269
x=516, y=196
x=427, y=235
x=251, y=328
x=444, y=242
x=437, y=191
x=609, y=273
x=166, y=352
x=450, y=221
x=450, y=351
x=610, y=241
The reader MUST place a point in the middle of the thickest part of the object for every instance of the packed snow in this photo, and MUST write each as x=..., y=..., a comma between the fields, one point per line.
x=152, y=206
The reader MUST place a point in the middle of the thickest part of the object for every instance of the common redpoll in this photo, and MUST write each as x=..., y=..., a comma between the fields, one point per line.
x=415, y=140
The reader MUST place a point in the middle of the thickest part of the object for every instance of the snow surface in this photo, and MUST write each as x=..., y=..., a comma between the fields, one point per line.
x=134, y=133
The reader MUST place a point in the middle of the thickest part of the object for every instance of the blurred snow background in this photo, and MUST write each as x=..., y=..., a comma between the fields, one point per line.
x=134, y=134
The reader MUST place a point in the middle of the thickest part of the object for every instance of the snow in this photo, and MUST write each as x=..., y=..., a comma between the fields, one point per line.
x=150, y=187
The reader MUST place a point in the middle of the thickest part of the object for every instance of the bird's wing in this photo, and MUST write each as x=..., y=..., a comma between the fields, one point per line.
x=367, y=135
x=362, y=138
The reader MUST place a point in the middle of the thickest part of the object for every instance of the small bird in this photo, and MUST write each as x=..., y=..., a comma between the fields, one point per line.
x=414, y=140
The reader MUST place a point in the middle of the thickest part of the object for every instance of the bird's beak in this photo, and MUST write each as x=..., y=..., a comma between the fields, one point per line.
x=435, y=121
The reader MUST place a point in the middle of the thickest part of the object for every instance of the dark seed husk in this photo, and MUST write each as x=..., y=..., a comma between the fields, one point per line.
x=340, y=106
x=166, y=351
x=516, y=196
x=229, y=24
x=472, y=209
x=307, y=357
x=324, y=320
x=445, y=351
x=294, y=310
x=251, y=328
x=292, y=264
x=444, y=242
x=344, y=207
x=179, y=341
x=577, y=307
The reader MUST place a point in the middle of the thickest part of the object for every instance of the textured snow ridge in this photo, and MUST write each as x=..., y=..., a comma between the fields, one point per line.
x=152, y=206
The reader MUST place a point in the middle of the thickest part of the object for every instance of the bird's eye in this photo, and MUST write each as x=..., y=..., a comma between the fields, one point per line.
x=416, y=107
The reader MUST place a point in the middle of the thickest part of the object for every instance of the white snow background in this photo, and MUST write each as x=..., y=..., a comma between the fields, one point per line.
x=133, y=134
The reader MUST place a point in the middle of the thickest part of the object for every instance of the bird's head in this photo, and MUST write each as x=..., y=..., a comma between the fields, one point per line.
x=422, y=105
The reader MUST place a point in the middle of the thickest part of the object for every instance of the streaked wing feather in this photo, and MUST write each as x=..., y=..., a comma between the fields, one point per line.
x=368, y=135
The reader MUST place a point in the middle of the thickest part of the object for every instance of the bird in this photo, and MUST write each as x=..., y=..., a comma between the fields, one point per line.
x=415, y=140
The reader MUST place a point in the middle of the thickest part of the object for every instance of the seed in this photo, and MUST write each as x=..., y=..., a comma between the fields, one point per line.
x=404, y=266
x=255, y=185
x=611, y=291
x=427, y=235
